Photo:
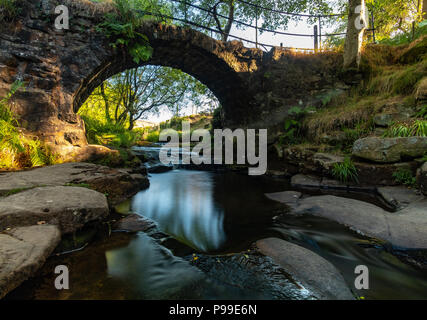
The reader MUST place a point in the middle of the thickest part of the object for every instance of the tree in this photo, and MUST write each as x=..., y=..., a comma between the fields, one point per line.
x=356, y=25
x=135, y=93
x=223, y=14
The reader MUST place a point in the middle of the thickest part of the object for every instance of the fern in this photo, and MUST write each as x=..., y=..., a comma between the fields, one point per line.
x=416, y=128
x=121, y=29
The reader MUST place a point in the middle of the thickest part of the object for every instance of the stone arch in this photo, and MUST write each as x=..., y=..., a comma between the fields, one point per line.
x=183, y=49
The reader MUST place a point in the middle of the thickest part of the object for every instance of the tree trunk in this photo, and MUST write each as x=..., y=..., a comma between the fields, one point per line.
x=355, y=28
x=424, y=9
x=107, y=104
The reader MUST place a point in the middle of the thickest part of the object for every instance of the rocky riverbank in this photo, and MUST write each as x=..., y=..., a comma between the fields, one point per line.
x=38, y=207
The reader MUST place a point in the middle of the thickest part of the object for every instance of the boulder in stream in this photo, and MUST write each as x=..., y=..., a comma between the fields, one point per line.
x=23, y=251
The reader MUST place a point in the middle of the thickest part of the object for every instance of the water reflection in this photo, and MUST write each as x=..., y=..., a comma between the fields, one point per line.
x=152, y=270
x=183, y=205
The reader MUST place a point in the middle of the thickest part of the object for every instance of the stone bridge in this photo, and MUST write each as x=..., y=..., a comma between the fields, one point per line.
x=62, y=67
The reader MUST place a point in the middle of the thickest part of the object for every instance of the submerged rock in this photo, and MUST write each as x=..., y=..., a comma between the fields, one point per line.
x=399, y=197
x=70, y=208
x=22, y=252
x=404, y=229
x=313, y=271
x=389, y=150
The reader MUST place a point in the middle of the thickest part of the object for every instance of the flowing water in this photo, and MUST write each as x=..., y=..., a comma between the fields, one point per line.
x=217, y=213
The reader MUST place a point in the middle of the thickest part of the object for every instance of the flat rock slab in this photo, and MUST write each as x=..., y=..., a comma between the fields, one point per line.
x=22, y=252
x=313, y=271
x=289, y=198
x=302, y=181
x=399, y=196
x=404, y=229
x=119, y=184
x=68, y=207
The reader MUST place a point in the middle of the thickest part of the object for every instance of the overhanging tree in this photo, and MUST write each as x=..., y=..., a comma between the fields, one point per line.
x=223, y=14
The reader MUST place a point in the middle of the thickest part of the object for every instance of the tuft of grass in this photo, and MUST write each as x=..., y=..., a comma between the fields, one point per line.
x=404, y=176
x=9, y=9
x=15, y=191
x=415, y=128
x=345, y=171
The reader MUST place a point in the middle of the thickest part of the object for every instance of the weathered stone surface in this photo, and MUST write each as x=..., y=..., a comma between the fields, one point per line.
x=422, y=178
x=389, y=150
x=134, y=223
x=305, y=181
x=68, y=207
x=22, y=252
x=313, y=271
x=61, y=70
x=327, y=161
x=119, y=184
x=387, y=119
x=382, y=173
x=301, y=181
x=333, y=138
x=406, y=228
x=399, y=196
x=298, y=160
x=289, y=198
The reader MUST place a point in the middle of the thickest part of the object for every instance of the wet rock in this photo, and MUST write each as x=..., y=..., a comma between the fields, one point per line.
x=134, y=223
x=289, y=198
x=399, y=197
x=23, y=251
x=334, y=138
x=382, y=173
x=70, y=208
x=119, y=184
x=305, y=181
x=249, y=275
x=387, y=119
x=327, y=161
x=406, y=228
x=422, y=178
x=159, y=168
x=311, y=182
x=389, y=150
x=313, y=271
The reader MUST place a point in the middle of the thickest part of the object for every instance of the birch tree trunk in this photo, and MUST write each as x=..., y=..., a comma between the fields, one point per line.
x=355, y=28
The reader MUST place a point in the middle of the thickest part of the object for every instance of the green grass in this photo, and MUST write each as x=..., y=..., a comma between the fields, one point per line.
x=15, y=191
x=345, y=171
x=8, y=9
x=415, y=128
x=404, y=176
x=153, y=136
x=109, y=134
x=17, y=149
x=81, y=185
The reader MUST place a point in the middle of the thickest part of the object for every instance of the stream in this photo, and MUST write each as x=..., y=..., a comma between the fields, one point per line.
x=217, y=213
